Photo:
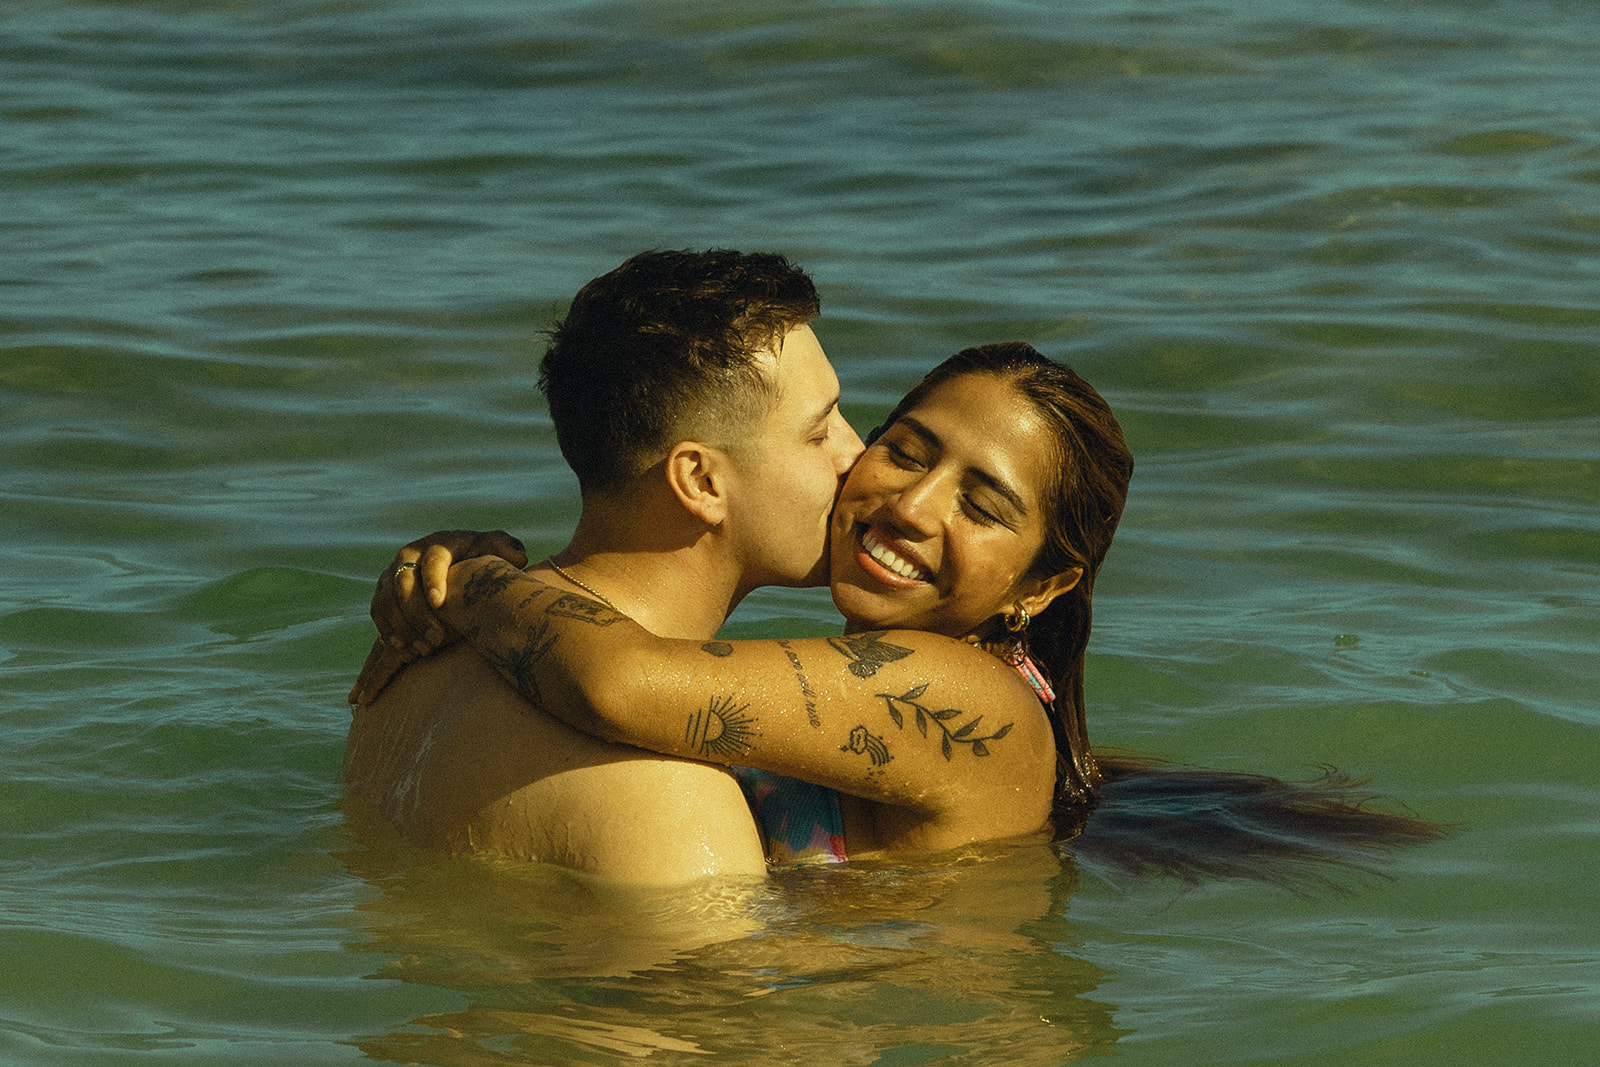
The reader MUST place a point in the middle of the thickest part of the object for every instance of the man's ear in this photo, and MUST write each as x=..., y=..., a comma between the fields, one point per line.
x=698, y=476
x=1050, y=588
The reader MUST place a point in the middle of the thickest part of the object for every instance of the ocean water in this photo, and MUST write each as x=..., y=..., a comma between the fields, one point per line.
x=273, y=281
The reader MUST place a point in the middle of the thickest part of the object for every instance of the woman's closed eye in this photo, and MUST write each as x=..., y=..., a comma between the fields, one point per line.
x=980, y=513
x=901, y=456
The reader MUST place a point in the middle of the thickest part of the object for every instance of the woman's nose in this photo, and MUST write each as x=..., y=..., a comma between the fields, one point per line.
x=915, y=508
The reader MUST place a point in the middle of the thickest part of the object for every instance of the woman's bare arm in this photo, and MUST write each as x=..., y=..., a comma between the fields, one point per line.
x=902, y=717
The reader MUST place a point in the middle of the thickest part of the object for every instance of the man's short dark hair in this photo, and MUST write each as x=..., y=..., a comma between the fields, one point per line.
x=666, y=348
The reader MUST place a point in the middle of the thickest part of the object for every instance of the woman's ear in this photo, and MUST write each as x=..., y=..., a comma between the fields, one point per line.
x=1049, y=589
x=698, y=476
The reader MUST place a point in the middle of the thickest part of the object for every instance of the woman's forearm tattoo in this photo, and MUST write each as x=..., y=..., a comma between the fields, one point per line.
x=964, y=735
x=569, y=606
x=867, y=652
x=721, y=730
x=517, y=662
x=873, y=746
x=807, y=694
x=486, y=582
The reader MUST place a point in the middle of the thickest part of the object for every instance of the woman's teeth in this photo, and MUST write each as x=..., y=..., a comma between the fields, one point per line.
x=886, y=556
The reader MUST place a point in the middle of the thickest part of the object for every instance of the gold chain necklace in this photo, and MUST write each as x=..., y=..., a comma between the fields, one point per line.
x=584, y=586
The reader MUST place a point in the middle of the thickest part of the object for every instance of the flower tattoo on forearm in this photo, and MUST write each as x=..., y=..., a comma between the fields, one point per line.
x=865, y=743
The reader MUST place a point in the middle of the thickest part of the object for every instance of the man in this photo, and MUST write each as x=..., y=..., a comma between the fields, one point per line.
x=701, y=417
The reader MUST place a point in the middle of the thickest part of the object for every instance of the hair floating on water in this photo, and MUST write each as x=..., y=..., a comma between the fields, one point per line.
x=1159, y=819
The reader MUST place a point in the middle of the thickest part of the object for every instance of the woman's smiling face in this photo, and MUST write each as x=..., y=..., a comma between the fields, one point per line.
x=942, y=518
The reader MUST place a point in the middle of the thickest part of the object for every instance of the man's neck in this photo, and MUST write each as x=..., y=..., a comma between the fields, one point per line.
x=672, y=586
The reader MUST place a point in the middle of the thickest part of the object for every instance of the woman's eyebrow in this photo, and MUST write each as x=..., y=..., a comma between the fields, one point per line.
x=1005, y=492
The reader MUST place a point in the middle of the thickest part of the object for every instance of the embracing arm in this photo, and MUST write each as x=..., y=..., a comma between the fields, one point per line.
x=408, y=590
x=903, y=717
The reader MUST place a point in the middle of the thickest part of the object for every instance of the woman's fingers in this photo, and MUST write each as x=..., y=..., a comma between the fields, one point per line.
x=441, y=550
x=382, y=664
x=498, y=543
x=417, y=580
x=434, y=571
x=398, y=609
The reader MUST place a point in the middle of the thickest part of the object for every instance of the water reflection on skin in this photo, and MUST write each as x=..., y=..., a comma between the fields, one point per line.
x=956, y=960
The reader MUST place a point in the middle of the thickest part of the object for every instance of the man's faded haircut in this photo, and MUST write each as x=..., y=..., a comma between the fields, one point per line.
x=667, y=348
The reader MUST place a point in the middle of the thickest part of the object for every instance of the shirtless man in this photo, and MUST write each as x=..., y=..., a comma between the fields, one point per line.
x=701, y=417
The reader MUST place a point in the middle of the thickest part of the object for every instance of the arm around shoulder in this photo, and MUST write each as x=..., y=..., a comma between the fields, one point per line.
x=906, y=718
x=560, y=651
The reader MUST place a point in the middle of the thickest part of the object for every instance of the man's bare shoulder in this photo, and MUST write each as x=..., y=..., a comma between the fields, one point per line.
x=459, y=761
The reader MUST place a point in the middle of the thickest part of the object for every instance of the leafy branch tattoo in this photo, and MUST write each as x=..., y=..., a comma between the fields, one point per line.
x=965, y=735
x=517, y=664
x=722, y=730
x=487, y=582
x=720, y=649
x=867, y=652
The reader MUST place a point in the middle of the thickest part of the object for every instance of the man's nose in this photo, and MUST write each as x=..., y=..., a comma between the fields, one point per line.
x=849, y=447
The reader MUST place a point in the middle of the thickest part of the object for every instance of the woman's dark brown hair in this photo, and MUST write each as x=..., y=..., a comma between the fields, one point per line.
x=1091, y=471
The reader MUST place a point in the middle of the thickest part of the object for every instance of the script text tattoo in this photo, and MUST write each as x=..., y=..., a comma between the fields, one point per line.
x=583, y=609
x=807, y=694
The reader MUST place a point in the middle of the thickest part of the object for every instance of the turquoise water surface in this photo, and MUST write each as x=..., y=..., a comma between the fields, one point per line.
x=270, y=297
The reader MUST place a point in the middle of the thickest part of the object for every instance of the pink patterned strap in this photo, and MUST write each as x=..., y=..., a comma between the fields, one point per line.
x=1034, y=677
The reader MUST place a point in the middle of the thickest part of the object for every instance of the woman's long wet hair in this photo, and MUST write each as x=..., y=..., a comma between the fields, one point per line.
x=1135, y=814
x=1091, y=471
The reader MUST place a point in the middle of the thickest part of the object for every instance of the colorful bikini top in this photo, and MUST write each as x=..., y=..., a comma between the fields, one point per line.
x=800, y=822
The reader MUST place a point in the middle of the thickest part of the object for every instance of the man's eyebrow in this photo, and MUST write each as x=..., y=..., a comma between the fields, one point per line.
x=825, y=413
x=1006, y=493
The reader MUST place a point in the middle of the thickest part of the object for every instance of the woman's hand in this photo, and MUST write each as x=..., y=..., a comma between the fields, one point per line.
x=410, y=588
x=383, y=663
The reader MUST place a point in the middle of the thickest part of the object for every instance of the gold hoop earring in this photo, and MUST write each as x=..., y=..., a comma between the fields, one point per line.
x=1017, y=621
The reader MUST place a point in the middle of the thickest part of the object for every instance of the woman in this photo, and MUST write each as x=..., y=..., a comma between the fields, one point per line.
x=964, y=550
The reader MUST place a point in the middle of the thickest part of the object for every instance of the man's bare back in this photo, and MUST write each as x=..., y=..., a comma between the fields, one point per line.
x=456, y=759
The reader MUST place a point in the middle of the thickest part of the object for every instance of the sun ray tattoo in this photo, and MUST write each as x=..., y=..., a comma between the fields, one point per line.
x=867, y=652
x=722, y=730
x=965, y=735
